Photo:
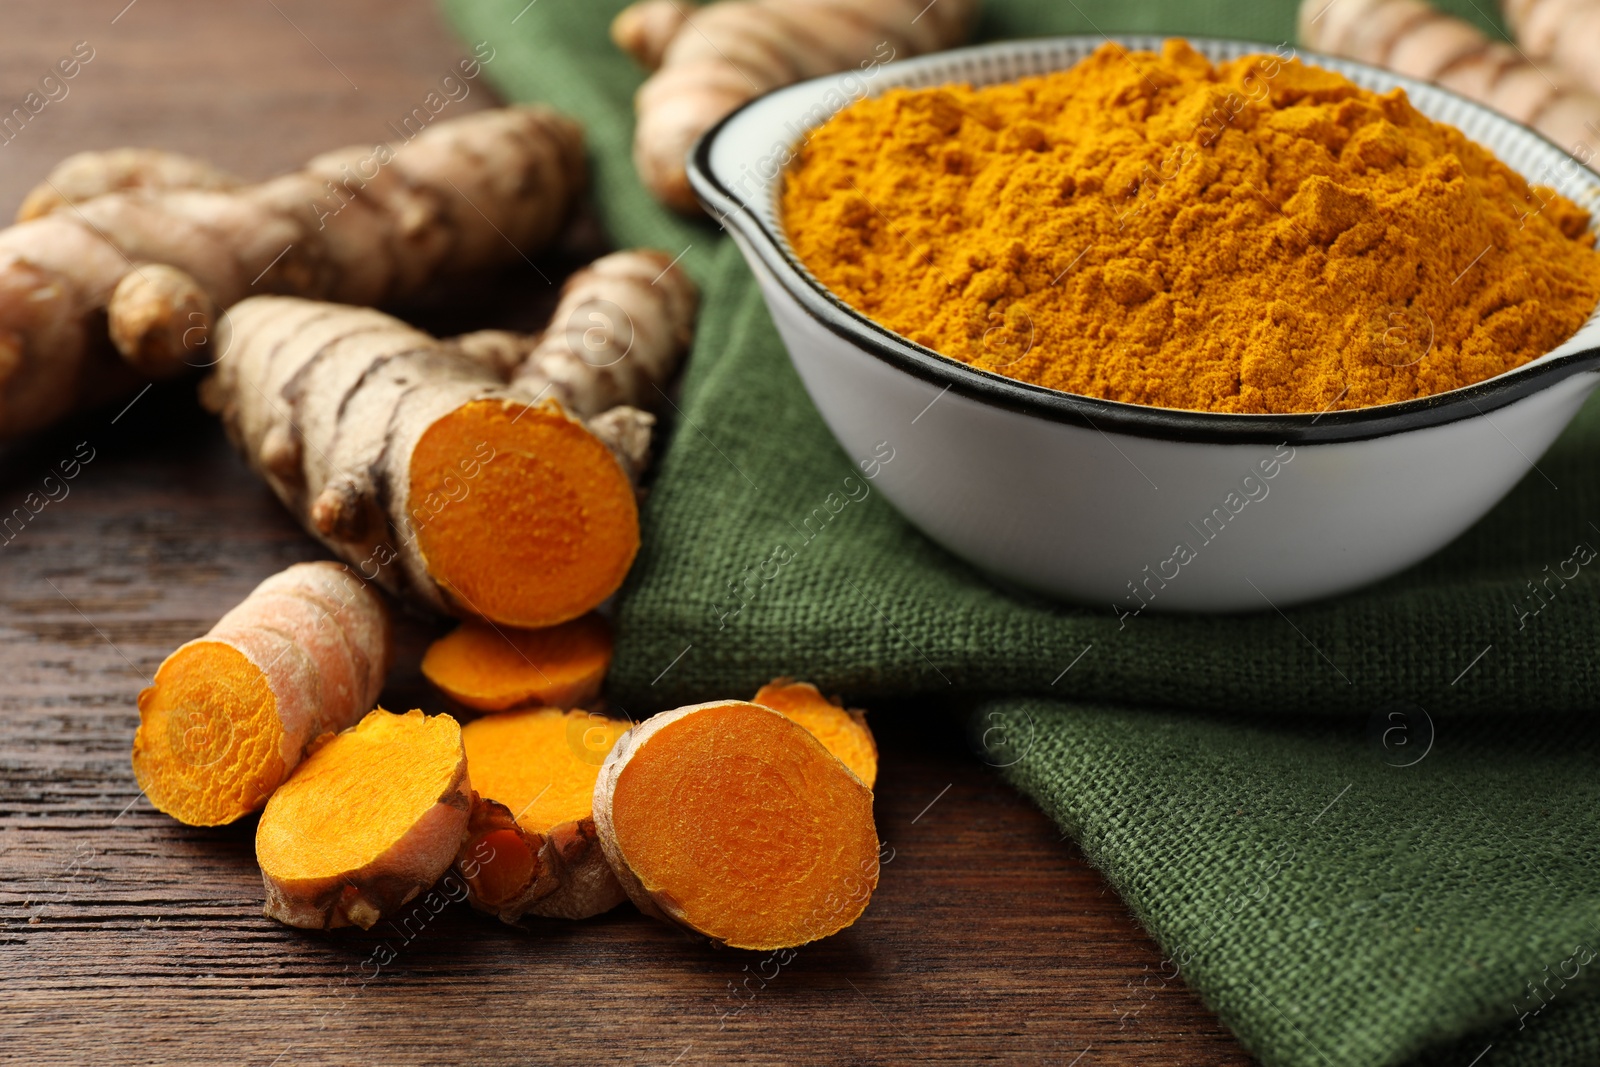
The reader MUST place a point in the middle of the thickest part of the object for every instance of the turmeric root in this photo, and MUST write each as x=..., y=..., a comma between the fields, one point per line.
x=531, y=847
x=709, y=60
x=734, y=822
x=230, y=714
x=90, y=174
x=842, y=731
x=1564, y=32
x=421, y=469
x=369, y=820
x=1411, y=37
x=361, y=225
x=617, y=335
x=493, y=669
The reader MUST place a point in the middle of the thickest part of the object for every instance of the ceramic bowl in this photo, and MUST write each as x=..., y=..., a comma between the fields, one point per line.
x=1117, y=504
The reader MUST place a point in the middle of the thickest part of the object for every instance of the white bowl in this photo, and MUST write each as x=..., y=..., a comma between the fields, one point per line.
x=1093, y=500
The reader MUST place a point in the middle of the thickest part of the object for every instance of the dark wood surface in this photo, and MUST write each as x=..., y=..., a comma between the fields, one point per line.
x=128, y=938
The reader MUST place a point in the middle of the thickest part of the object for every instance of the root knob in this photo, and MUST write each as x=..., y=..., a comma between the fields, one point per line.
x=160, y=320
x=281, y=454
x=340, y=512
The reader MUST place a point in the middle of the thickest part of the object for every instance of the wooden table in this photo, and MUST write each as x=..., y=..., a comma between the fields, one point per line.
x=128, y=938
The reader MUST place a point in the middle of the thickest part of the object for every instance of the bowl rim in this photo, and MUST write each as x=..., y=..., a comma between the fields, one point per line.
x=1053, y=405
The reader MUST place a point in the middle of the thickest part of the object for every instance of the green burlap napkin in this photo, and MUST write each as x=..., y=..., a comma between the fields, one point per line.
x=1347, y=865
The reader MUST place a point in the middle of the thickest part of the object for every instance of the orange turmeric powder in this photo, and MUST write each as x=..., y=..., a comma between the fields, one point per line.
x=1258, y=236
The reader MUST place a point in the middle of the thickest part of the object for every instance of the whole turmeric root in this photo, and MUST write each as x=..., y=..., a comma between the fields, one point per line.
x=362, y=225
x=734, y=822
x=495, y=669
x=531, y=846
x=230, y=714
x=119, y=170
x=369, y=820
x=709, y=60
x=418, y=464
x=1565, y=32
x=1414, y=38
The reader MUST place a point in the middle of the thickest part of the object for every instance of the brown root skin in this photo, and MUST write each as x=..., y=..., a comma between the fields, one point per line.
x=1564, y=31
x=231, y=714
x=512, y=872
x=365, y=226
x=626, y=431
x=842, y=731
x=160, y=320
x=87, y=175
x=644, y=30
x=618, y=334
x=616, y=337
x=1413, y=38
x=709, y=60
x=768, y=841
x=344, y=800
x=531, y=848
x=489, y=668
x=500, y=352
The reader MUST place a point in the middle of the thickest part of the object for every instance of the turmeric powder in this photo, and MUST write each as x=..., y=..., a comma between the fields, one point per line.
x=491, y=668
x=1256, y=236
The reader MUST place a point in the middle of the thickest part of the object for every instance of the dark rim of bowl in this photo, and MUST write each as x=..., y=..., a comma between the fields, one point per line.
x=900, y=352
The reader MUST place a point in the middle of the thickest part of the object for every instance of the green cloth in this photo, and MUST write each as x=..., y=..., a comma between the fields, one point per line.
x=1194, y=758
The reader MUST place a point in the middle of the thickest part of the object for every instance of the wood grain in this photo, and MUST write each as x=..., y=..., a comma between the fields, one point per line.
x=126, y=938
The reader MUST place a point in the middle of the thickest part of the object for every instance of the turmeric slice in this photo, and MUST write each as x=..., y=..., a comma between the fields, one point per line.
x=531, y=847
x=842, y=731
x=495, y=669
x=734, y=822
x=369, y=820
x=230, y=714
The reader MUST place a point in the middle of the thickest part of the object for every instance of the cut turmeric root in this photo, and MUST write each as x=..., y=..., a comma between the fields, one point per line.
x=434, y=474
x=369, y=820
x=494, y=669
x=734, y=822
x=531, y=848
x=426, y=474
x=230, y=715
x=842, y=731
